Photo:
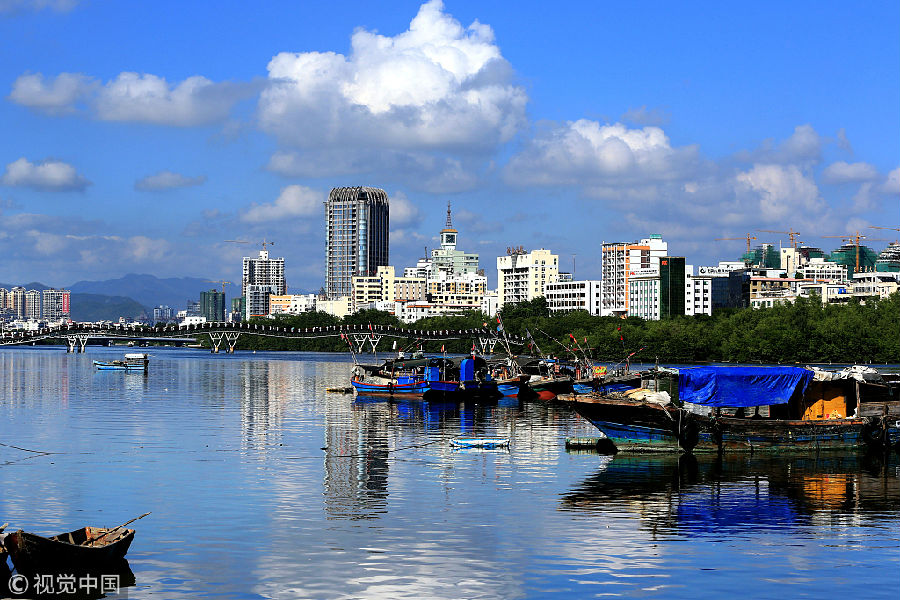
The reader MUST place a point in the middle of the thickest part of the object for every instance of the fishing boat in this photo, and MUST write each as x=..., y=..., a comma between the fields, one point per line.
x=132, y=362
x=724, y=408
x=85, y=549
x=400, y=376
x=471, y=382
x=483, y=442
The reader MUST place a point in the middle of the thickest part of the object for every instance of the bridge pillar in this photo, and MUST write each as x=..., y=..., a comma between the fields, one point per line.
x=487, y=343
x=215, y=339
x=232, y=337
x=70, y=343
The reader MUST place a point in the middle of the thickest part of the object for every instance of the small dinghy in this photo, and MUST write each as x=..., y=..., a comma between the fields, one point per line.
x=85, y=549
x=486, y=442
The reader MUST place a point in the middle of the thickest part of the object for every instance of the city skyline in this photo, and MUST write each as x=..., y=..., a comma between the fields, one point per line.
x=144, y=148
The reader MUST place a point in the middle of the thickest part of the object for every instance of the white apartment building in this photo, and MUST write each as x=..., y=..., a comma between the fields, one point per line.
x=466, y=289
x=410, y=312
x=875, y=283
x=32, y=304
x=523, y=277
x=57, y=305
x=698, y=293
x=643, y=294
x=820, y=269
x=263, y=271
x=292, y=304
x=16, y=301
x=339, y=307
x=565, y=296
x=257, y=299
x=385, y=286
x=618, y=262
x=490, y=303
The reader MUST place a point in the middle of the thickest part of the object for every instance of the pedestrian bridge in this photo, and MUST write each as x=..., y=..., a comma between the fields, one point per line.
x=358, y=337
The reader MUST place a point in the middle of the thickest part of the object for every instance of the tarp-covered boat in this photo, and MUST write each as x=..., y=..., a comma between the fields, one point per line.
x=743, y=408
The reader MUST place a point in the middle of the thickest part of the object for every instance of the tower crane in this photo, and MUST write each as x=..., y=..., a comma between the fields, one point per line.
x=790, y=233
x=264, y=242
x=888, y=228
x=222, y=282
x=748, y=238
x=857, y=237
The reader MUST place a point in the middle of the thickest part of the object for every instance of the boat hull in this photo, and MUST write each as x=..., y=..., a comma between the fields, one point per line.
x=68, y=552
x=411, y=390
x=463, y=391
x=640, y=426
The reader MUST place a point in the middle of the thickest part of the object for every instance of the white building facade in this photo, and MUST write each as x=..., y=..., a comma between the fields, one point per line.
x=565, y=296
x=523, y=277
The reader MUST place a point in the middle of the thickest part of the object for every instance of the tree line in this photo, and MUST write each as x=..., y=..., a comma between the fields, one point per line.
x=803, y=332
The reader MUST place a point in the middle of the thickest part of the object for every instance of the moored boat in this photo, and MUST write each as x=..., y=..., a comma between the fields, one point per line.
x=483, y=442
x=89, y=549
x=746, y=409
x=471, y=382
x=132, y=362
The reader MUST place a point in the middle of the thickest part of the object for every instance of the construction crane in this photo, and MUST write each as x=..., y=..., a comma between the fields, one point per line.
x=888, y=228
x=748, y=238
x=222, y=282
x=857, y=237
x=790, y=232
x=264, y=242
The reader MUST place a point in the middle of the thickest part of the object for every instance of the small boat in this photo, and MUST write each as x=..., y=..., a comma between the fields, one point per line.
x=132, y=362
x=471, y=382
x=85, y=549
x=485, y=442
x=399, y=377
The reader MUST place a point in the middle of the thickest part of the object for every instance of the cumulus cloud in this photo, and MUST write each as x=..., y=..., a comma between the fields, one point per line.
x=842, y=172
x=59, y=95
x=48, y=176
x=586, y=152
x=436, y=86
x=780, y=191
x=294, y=201
x=136, y=97
x=151, y=99
x=804, y=146
x=403, y=212
x=892, y=184
x=167, y=180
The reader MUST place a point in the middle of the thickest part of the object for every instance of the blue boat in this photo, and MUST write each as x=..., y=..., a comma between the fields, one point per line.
x=724, y=408
x=472, y=382
x=132, y=362
x=483, y=442
x=399, y=377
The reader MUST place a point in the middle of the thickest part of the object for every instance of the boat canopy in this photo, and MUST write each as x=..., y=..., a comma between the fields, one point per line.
x=741, y=386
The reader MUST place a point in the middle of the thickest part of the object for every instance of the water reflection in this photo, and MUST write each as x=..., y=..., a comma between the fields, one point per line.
x=712, y=495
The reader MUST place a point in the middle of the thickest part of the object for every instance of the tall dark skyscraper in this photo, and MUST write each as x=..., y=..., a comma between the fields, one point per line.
x=357, y=243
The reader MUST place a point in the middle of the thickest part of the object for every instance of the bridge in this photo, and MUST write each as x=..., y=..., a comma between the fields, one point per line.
x=357, y=337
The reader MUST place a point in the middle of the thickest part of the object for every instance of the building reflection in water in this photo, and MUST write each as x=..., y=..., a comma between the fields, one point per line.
x=702, y=495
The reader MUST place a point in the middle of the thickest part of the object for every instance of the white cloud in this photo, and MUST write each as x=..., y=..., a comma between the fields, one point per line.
x=645, y=116
x=892, y=184
x=167, y=180
x=584, y=152
x=436, y=86
x=151, y=99
x=59, y=95
x=49, y=176
x=781, y=191
x=294, y=201
x=137, y=97
x=842, y=172
x=403, y=212
x=804, y=147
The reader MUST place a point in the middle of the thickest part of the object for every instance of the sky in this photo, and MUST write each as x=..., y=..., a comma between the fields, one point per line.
x=140, y=137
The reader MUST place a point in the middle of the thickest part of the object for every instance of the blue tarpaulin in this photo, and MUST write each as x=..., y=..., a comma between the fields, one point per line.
x=741, y=386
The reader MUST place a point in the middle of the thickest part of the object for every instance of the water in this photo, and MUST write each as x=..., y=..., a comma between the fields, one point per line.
x=263, y=485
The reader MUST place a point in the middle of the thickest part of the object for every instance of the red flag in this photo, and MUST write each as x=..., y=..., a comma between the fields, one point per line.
x=442, y=347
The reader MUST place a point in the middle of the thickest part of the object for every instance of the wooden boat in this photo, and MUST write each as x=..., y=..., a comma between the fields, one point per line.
x=132, y=362
x=471, y=383
x=399, y=377
x=485, y=442
x=743, y=409
x=85, y=549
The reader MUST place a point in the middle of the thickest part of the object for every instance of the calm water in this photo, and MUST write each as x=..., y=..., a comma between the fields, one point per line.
x=262, y=485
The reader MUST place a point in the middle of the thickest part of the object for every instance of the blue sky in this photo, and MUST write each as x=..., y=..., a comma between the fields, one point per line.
x=138, y=137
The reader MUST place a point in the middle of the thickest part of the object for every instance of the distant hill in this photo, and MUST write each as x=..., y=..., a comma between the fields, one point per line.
x=151, y=291
x=96, y=307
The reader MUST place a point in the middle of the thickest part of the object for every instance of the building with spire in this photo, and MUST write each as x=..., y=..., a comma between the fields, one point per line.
x=447, y=259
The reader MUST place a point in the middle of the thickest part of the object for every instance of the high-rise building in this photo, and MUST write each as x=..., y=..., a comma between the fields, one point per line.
x=212, y=305
x=857, y=258
x=619, y=261
x=264, y=271
x=357, y=237
x=522, y=277
x=32, y=304
x=671, y=287
x=16, y=301
x=162, y=314
x=57, y=305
